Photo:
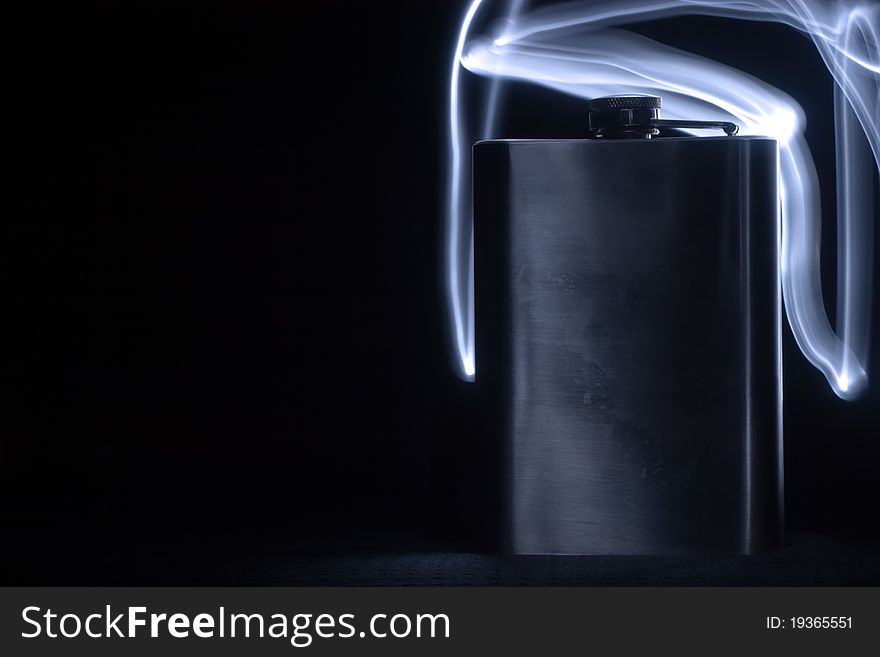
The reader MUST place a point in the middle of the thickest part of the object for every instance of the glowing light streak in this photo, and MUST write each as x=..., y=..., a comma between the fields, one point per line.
x=573, y=48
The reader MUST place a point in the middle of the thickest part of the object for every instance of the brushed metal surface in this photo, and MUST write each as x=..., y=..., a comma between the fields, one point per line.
x=628, y=337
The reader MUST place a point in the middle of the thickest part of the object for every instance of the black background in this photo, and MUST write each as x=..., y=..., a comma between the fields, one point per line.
x=224, y=291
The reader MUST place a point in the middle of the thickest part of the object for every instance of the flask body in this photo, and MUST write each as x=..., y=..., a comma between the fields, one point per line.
x=628, y=338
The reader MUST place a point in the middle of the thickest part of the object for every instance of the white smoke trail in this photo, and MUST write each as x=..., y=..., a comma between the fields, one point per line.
x=572, y=48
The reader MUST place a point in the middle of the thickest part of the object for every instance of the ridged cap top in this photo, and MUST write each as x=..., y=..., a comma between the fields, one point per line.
x=624, y=102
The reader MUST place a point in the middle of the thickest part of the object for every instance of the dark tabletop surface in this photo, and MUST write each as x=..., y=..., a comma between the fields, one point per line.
x=251, y=559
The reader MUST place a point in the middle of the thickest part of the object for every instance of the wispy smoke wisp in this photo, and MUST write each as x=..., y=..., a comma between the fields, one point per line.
x=574, y=48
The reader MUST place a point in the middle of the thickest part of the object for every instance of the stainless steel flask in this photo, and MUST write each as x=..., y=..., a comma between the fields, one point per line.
x=628, y=334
